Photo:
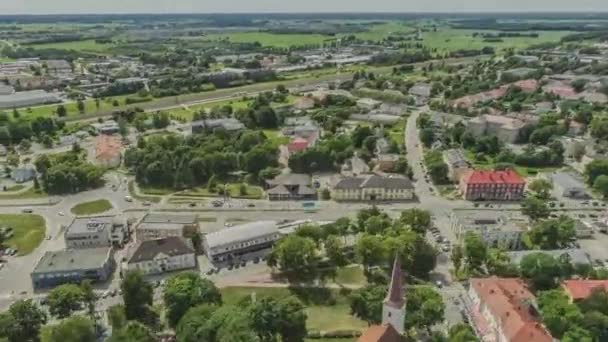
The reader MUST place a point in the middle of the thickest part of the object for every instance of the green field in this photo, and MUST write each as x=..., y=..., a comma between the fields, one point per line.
x=253, y=192
x=92, y=208
x=83, y=45
x=90, y=107
x=28, y=231
x=489, y=164
x=448, y=39
x=271, y=39
x=351, y=275
x=320, y=317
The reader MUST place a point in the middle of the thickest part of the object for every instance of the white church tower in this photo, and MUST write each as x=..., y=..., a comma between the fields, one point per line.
x=393, y=309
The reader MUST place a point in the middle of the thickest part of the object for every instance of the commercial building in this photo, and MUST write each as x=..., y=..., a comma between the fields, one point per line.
x=567, y=185
x=503, y=185
x=580, y=289
x=161, y=255
x=290, y=186
x=232, y=243
x=457, y=163
x=496, y=228
x=504, y=128
x=27, y=99
x=504, y=309
x=159, y=225
x=373, y=188
x=576, y=256
x=107, y=127
x=93, y=232
x=73, y=266
x=108, y=151
x=228, y=124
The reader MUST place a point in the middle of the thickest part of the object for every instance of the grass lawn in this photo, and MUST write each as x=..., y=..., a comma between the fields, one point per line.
x=91, y=208
x=397, y=132
x=155, y=191
x=132, y=193
x=320, y=316
x=350, y=275
x=90, y=107
x=253, y=191
x=449, y=39
x=15, y=187
x=275, y=136
x=489, y=164
x=28, y=231
x=28, y=194
x=83, y=45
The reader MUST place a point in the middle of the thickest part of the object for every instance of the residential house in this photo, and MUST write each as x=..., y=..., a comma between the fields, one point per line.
x=354, y=166
x=504, y=309
x=568, y=185
x=373, y=188
x=22, y=175
x=290, y=186
x=73, y=266
x=301, y=144
x=500, y=185
x=161, y=255
x=231, y=244
x=495, y=228
x=94, y=232
x=108, y=151
x=457, y=163
x=422, y=93
x=504, y=128
x=161, y=225
x=579, y=289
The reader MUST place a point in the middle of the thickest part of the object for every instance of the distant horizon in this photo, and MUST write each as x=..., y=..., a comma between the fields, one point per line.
x=243, y=7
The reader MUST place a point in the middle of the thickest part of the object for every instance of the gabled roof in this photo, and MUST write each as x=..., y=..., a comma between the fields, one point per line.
x=380, y=333
x=149, y=250
x=290, y=179
x=512, y=305
x=581, y=289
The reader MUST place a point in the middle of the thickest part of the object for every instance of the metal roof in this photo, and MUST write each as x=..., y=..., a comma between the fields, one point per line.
x=241, y=233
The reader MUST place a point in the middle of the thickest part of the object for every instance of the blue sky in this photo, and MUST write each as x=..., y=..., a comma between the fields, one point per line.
x=209, y=6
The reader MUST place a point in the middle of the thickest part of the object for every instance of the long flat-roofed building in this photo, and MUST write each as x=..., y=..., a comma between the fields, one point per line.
x=73, y=266
x=27, y=98
x=231, y=243
x=96, y=231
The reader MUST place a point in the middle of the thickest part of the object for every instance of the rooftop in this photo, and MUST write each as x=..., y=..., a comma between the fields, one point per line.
x=290, y=179
x=374, y=181
x=576, y=256
x=456, y=158
x=380, y=333
x=149, y=250
x=73, y=260
x=581, y=289
x=107, y=147
x=244, y=232
x=490, y=220
x=513, y=308
x=82, y=225
x=493, y=177
x=504, y=121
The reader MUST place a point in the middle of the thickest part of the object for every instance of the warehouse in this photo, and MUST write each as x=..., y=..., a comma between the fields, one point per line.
x=27, y=98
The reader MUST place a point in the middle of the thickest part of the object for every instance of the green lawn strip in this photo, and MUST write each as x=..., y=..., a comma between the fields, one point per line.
x=28, y=194
x=321, y=315
x=489, y=164
x=16, y=187
x=28, y=231
x=275, y=136
x=253, y=192
x=153, y=199
x=92, y=207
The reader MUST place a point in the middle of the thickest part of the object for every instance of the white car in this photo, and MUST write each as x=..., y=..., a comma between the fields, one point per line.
x=61, y=213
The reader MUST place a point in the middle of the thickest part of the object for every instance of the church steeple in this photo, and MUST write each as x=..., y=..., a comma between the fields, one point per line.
x=393, y=310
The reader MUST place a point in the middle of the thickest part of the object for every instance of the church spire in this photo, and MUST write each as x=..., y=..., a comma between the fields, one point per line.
x=393, y=310
x=394, y=296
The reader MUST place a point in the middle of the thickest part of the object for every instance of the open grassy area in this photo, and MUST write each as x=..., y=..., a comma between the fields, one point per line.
x=351, y=275
x=397, y=132
x=28, y=231
x=92, y=208
x=272, y=39
x=253, y=192
x=83, y=45
x=90, y=106
x=132, y=193
x=489, y=164
x=321, y=316
x=449, y=39
x=275, y=136
x=28, y=194
x=16, y=187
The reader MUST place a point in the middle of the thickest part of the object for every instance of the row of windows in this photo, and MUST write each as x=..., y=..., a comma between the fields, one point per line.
x=249, y=243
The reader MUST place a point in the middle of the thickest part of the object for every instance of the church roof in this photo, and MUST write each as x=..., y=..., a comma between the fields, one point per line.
x=380, y=333
x=394, y=297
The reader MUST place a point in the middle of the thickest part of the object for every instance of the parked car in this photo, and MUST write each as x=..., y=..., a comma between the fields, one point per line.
x=27, y=211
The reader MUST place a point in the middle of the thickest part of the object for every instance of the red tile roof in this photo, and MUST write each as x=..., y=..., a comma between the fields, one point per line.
x=509, y=302
x=380, y=333
x=493, y=177
x=581, y=289
x=297, y=145
x=107, y=147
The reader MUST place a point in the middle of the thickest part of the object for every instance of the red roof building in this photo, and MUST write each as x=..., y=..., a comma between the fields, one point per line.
x=581, y=289
x=380, y=333
x=300, y=144
x=503, y=309
x=505, y=185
